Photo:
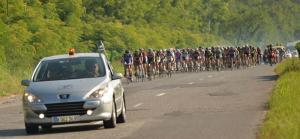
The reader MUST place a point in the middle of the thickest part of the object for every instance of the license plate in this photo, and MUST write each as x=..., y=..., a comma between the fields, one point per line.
x=64, y=119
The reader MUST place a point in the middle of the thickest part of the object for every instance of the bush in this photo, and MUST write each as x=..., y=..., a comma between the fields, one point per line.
x=9, y=84
x=298, y=47
x=288, y=65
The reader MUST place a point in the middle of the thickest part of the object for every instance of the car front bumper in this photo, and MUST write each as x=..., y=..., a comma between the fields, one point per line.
x=101, y=111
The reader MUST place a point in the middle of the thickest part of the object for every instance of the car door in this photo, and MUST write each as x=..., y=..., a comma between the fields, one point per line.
x=117, y=87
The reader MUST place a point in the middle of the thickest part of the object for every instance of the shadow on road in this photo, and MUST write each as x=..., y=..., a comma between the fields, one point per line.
x=55, y=130
x=12, y=132
x=268, y=78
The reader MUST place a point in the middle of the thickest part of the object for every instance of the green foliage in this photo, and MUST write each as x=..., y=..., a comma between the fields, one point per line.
x=9, y=83
x=288, y=65
x=32, y=29
x=298, y=47
x=282, y=121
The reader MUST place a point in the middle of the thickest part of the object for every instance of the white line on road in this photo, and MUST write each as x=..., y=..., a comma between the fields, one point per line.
x=161, y=94
x=209, y=76
x=137, y=105
x=191, y=83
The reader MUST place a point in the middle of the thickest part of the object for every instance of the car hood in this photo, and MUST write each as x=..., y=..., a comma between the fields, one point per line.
x=49, y=91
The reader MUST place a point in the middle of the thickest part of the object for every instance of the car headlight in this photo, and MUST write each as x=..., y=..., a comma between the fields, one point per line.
x=98, y=93
x=28, y=97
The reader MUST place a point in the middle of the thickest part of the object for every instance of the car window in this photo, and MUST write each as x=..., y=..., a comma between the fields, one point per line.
x=70, y=68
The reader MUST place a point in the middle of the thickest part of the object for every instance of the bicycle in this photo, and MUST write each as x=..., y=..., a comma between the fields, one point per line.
x=151, y=71
x=139, y=75
x=169, y=69
x=128, y=75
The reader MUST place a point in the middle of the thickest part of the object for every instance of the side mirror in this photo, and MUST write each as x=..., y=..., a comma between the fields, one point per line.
x=25, y=82
x=117, y=76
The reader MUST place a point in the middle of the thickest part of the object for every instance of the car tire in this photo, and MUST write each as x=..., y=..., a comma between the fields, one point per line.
x=31, y=128
x=46, y=127
x=122, y=117
x=112, y=122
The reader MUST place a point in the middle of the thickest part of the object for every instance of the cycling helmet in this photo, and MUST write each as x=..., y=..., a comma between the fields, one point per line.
x=136, y=52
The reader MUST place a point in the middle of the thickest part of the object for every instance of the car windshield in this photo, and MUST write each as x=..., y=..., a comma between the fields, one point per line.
x=70, y=68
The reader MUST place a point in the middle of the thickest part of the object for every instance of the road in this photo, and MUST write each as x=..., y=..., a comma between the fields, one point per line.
x=208, y=105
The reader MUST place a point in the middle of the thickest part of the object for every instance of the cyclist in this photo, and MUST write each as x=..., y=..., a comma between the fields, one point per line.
x=202, y=57
x=158, y=59
x=151, y=61
x=160, y=62
x=218, y=54
x=271, y=54
x=196, y=58
x=137, y=63
x=170, y=60
x=208, y=57
x=185, y=58
x=144, y=58
x=178, y=56
x=127, y=60
x=247, y=55
x=253, y=55
x=259, y=54
x=231, y=53
x=281, y=54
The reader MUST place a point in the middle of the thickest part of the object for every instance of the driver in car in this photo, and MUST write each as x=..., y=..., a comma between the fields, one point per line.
x=92, y=69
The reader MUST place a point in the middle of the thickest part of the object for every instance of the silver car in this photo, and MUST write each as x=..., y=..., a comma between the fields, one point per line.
x=75, y=88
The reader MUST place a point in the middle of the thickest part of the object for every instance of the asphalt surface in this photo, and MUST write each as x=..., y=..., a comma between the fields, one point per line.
x=206, y=105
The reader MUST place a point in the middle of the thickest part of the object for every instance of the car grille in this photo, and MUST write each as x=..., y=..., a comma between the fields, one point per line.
x=65, y=109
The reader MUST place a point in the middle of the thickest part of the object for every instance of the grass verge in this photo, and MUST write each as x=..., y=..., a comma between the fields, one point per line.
x=283, y=119
x=118, y=67
x=9, y=84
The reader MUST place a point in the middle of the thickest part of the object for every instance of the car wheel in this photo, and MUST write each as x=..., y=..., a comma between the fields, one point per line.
x=46, y=127
x=112, y=122
x=31, y=128
x=122, y=117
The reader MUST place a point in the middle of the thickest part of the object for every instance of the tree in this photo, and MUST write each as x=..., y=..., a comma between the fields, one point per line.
x=298, y=48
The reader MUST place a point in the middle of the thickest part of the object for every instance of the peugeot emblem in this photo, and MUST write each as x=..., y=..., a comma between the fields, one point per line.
x=64, y=96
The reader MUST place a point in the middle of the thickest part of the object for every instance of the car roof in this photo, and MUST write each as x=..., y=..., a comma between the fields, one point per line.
x=72, y=56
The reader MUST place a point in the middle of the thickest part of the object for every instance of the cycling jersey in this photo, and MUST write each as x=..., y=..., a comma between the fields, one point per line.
x=151, y=57
x=185, y=55
x=170, y=57
x=127, y=58
x=137, y=59
x=218, y=54
x=161, y=57
x=178, y=56
x=196, y=55
x=258, y=51
x=208, y=54
x=231, y=52
x=253, y=52
x=144, y=57
x=247, y=50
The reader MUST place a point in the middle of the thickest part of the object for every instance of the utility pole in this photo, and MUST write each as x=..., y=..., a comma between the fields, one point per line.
x=7, y=8
x=209, y=15
x=209, y=24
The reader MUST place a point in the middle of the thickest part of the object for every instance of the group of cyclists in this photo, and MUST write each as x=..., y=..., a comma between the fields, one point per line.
x=164, y=62
x=273, y=55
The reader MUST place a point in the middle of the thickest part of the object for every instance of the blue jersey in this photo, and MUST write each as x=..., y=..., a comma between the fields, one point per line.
x=127, y=58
